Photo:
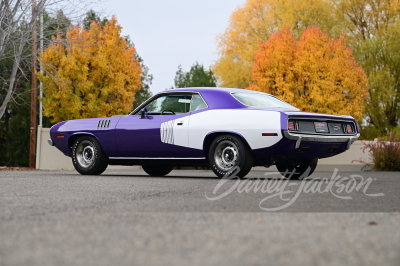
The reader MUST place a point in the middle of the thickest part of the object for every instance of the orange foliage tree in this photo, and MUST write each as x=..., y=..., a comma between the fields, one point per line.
x=254, y=22
x=90, y=73
x=316, y=73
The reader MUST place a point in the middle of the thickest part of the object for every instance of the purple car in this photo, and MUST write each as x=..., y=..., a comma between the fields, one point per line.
x=229, y=130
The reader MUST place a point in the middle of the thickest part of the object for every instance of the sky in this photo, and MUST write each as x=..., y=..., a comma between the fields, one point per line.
x=169, y=33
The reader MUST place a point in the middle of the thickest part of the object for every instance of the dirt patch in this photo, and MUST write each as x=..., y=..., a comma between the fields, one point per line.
x=6, y=168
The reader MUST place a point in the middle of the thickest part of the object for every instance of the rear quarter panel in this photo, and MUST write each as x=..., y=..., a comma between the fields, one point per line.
x=250, y=124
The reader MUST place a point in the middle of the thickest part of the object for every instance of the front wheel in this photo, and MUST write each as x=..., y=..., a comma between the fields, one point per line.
x=228, y=154
x=88, y=157
x=297, y=169
x=157, y=170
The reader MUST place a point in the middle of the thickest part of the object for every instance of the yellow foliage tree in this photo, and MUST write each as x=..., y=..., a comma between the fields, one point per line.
x=373, y=30
x=253, y=23
x=90, y=73
x=316, y=73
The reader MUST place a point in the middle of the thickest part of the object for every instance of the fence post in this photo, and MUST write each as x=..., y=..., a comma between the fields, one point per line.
x=38, y=146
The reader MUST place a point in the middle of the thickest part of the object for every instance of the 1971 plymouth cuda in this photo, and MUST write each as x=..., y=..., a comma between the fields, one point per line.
x=226, y=129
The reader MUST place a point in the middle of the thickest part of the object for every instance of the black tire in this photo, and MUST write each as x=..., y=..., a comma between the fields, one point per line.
x=88, y=157
x=297, y=169
x=157, y=170
x=227, y=153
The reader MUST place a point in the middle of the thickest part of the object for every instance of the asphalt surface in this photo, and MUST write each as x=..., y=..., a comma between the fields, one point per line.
x=192, y=218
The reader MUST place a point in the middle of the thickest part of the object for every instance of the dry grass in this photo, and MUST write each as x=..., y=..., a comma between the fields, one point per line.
x=385, y=154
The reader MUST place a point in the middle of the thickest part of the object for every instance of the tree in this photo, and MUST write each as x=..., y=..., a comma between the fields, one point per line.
x=14, y=124
x=316, y=73
x=59, y=23
x=92, y=16
x=197, y=76
x=16, y=30
x=146, y=78
x=14, y=129
x=90, y=73
x=17, y=20
x=17, y=23
x=253, y=23
x=372, y=28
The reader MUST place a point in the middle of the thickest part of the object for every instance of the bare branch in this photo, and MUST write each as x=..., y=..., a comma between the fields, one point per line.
x=17, y=20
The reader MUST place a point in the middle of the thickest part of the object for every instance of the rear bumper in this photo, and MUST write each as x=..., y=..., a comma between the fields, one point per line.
x=320, y=138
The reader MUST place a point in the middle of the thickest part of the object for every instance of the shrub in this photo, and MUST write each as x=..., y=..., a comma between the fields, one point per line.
x=385, y=153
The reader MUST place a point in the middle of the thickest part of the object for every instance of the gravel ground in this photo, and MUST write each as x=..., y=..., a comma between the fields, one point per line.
x=128, y=218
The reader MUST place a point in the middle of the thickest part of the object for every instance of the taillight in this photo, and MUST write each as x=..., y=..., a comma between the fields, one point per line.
x=292, y=125
x=348, y=128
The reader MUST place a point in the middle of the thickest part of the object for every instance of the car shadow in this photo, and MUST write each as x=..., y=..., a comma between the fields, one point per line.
x=167, y=176
x=205, y=177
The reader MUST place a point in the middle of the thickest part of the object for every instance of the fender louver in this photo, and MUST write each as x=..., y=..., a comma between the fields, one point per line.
x=104, y=123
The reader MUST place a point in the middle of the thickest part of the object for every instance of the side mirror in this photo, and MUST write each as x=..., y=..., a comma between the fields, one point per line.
x=143, y=113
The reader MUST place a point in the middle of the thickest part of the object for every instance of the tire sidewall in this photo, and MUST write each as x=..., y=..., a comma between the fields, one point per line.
x=96, y=155
x=241, y=150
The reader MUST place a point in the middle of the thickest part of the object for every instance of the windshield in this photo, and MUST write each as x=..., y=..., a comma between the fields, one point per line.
x=261, y=100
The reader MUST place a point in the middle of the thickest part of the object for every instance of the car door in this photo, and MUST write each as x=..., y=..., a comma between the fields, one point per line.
x=162, y=133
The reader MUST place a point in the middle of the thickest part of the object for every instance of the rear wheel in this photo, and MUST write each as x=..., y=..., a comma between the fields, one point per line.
x=157, y=170
x=229, y=154
x=88, y=157
x=297, y=169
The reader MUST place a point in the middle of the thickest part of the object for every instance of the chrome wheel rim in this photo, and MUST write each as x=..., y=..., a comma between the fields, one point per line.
x=85, y=154
x=226, y=155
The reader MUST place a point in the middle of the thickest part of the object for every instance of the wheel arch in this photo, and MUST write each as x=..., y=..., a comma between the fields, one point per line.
x=75, y=136
x=212, y=135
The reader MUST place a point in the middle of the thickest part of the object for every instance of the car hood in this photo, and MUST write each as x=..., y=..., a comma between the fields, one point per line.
x=86, y=124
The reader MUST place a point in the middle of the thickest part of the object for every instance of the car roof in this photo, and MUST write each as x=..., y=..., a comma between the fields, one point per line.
x=208, y=89
x=215, y=97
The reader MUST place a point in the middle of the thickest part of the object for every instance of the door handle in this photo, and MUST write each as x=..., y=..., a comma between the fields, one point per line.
x=180, y=123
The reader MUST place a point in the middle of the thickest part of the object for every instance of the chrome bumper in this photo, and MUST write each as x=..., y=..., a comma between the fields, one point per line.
x=319, y=138
x=50, y=142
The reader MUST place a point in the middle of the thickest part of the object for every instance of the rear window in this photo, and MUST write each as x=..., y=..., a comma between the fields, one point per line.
x=261, y=100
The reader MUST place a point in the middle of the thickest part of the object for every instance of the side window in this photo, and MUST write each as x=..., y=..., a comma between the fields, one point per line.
x=169, y=105
x=197, y=103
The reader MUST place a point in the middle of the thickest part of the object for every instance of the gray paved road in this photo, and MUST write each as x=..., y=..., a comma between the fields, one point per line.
x=128, y=218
